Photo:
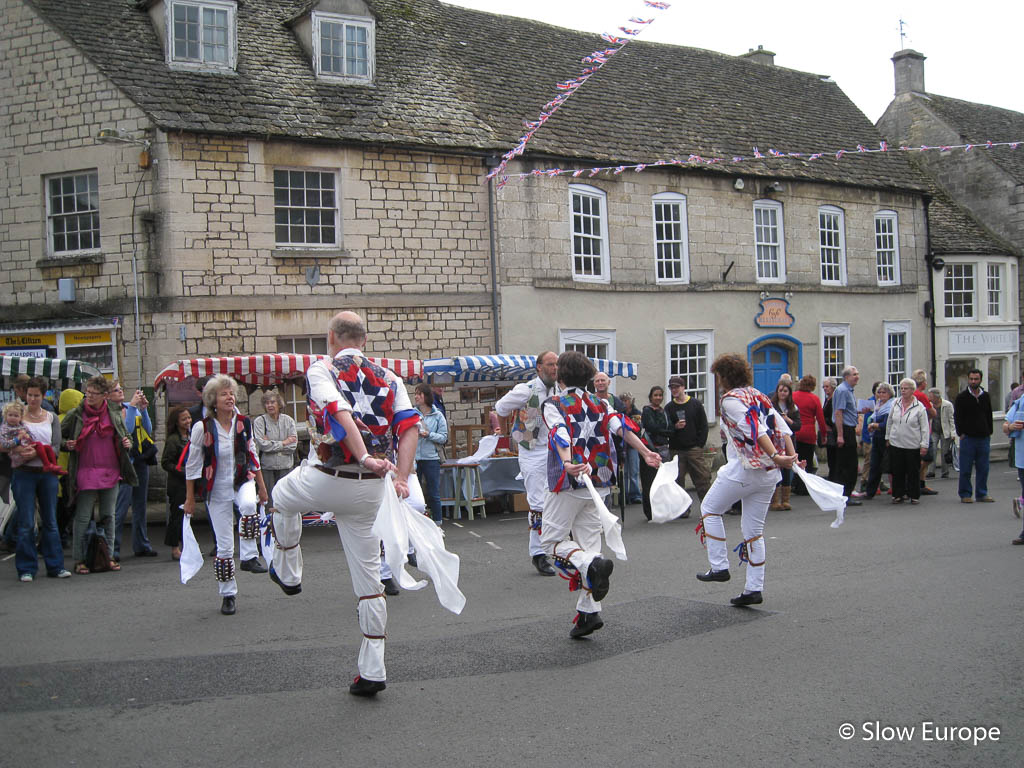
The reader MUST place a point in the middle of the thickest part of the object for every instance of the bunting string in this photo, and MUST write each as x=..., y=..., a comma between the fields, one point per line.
x=695, y=160
x=567, y=88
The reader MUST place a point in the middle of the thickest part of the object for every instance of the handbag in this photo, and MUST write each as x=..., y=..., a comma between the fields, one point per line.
x=97, y=553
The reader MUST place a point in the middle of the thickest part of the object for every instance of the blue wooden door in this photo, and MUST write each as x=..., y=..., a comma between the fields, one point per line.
x=769, y=363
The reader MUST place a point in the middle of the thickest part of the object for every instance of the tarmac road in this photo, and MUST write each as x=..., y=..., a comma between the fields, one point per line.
x=902, y=617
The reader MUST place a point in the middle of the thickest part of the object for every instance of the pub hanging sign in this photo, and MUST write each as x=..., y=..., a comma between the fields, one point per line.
x=774, y=314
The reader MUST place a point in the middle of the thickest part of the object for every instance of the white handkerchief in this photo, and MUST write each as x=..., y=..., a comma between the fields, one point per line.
x=610, y=523
x=668, y=499
x=827, y=495
x=191, y=556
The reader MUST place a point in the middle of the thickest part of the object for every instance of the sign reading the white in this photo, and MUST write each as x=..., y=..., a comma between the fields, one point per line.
x=982, y=342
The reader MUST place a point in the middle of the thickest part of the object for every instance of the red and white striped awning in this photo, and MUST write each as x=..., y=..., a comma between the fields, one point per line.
x=267, y=370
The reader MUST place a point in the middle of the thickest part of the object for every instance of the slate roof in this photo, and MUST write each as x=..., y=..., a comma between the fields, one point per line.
x=978, y=123
x=952, y=229
x=448, y=77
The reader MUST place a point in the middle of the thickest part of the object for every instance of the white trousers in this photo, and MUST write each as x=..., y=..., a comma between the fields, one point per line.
x=222, y=518
x=533, y=465
x=354, y=504
x=566, y=515
x=755, y=498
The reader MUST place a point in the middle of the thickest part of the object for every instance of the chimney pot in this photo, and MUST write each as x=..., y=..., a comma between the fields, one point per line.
x=760, y=56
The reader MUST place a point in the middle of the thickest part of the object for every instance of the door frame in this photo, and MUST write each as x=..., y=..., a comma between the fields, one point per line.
x=791, y=343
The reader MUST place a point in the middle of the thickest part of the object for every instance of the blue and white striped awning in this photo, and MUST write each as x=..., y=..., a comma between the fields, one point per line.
x=489, y=368
x=49, y=368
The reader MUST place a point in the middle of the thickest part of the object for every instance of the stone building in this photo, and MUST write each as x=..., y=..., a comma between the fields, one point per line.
x=976, y=283
x=198, y=177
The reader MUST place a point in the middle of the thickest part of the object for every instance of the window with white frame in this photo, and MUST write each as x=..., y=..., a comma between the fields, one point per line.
x=994, y=290
x=305, y=208
x=671, y=253
x=689, y=354
x=835, y=349
x=958, y=291
x=896, y=336
x=202, y=33
x=589, y=233
x=769, y=242
x=73, y=213
x=832, y=244
x=293, y=392
x=887, y=249
x=343, y=47
x=598, y=345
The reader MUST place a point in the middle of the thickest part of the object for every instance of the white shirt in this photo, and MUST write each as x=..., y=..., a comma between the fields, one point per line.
x=224, y=480
x=734, y=469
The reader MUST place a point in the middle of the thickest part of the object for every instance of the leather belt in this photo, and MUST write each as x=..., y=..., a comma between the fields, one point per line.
x=346, y=474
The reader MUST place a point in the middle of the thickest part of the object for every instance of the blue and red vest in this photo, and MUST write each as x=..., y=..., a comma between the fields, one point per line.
x=245, y=461
x=370, y=391
x=586, y=419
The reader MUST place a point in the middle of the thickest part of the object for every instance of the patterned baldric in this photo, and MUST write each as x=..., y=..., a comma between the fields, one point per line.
x=743, y=434
x=586, y=418
x=528, y=428
x=371, y=392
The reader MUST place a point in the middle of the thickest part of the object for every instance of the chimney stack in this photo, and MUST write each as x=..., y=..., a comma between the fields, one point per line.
x=909, y=69
x=760, y=56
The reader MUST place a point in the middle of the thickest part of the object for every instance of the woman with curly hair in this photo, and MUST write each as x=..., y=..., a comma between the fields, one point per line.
x=222, y=457
x=758, y=444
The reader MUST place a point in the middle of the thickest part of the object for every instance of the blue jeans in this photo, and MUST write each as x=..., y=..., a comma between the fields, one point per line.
x=27, y=488
x=429, y=473
x=974, y=453
x=634, y=492
x=134, y=496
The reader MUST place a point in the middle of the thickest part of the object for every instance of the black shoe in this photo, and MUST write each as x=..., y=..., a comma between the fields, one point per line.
x=252, y=565
x=227, y=606
x=288, y=590
x=147, y=553
x=926, y=491
x=390, y=588
x=711, y=575
x=684, y=516
x=585, y=624
x=930, y=475
x=411, y=557
x=854, y=503
x=367, y=688
x=597, y=574
x=748, y=598
x=543, y=565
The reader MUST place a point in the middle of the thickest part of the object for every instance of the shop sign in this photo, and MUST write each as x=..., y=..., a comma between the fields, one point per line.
x=978, y=342
x=87, y=337
x=25, y=340
x=774, y=314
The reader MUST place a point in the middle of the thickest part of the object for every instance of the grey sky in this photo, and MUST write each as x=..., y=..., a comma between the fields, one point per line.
x=973, y=51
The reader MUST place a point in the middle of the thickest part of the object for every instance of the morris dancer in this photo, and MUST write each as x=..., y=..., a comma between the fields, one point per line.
x=581, y=427
x=224, y=433
x=530, y=434
x=758, y=444
x=360, y=409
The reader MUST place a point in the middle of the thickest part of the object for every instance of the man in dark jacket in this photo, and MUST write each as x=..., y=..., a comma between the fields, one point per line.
x=690, y=432
x=972, y=415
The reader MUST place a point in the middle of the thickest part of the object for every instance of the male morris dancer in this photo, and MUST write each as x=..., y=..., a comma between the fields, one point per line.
x=531, y=436
x=581, y=427
x=360, y=408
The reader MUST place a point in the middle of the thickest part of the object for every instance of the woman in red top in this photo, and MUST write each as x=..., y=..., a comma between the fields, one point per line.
x=805, y=438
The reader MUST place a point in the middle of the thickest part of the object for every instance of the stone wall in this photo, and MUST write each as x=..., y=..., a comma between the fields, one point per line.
x=534, y=230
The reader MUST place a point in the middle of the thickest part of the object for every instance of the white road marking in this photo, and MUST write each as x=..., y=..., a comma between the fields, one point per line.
x=460, y=525
x=492, y=544
x=9, y=557
x=474, y=533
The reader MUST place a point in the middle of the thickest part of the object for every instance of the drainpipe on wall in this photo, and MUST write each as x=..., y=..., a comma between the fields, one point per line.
x=492, y=162
x=928, y=259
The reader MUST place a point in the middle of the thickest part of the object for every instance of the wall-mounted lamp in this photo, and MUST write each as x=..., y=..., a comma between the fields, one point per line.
x=938, y=264
x=738, y=185
x=775, y=186
x=117, y=136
